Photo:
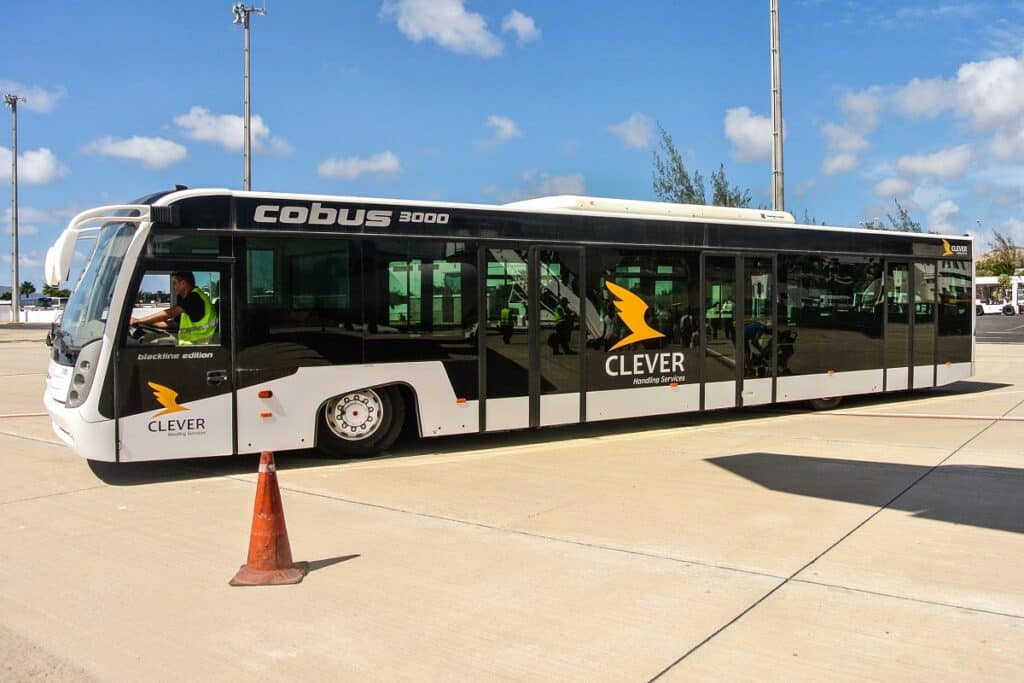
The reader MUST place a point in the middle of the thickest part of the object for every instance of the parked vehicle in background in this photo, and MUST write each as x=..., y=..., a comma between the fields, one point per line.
x=991, y=297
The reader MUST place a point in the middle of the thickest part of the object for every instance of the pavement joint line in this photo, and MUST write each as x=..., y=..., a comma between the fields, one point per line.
x=922, y=416
x=24, y=415
x=824, y=552
x=51, y=495
x=31, y=438
x=980, y=610
x=518, y=532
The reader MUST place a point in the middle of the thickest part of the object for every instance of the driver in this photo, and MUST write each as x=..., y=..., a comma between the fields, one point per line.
x=196, y=314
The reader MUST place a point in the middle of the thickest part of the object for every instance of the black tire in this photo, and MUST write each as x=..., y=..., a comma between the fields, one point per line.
x=978, y=310
x=377, y=411
x=1008, y=309
x=825, y=403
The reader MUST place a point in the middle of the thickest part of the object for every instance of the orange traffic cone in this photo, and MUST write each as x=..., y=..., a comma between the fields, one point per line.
x=270, y=555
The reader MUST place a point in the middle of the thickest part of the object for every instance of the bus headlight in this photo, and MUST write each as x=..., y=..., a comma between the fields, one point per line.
x=85, y=370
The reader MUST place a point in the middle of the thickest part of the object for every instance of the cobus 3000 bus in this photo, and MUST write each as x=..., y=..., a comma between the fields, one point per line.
x=341, y=320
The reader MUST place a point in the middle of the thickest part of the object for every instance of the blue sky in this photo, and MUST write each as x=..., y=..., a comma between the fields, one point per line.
x=492, y=101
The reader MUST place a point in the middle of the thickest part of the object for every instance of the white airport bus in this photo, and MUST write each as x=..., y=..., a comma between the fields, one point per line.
x=341, y=321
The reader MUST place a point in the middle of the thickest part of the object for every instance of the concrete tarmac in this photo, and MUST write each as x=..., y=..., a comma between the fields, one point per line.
x=883, y=540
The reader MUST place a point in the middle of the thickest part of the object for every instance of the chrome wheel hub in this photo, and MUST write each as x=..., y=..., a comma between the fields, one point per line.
x=354, y=416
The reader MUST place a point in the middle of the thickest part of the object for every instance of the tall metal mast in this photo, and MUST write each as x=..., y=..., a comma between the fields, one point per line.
x=242, y=13
x=11, y=100
x=778, y=186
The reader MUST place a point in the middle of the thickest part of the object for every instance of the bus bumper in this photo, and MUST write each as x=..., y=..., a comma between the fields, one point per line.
x=91, y=440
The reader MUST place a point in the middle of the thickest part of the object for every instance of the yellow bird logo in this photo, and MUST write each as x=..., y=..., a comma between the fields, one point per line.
x=631, y=311
x=947, y=250
x=166, y=397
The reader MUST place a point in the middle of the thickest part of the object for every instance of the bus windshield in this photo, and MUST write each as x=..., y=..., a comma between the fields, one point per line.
x=86, y=313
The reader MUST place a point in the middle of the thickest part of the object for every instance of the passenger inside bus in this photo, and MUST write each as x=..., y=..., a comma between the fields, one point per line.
x=194, y=316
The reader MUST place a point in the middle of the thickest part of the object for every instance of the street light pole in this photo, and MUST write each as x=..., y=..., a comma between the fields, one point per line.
x=242, y=13
x=11, y=100
x=778, y=186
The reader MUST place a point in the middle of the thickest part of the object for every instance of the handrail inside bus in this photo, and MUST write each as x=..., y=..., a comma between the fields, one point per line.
x=57, y=266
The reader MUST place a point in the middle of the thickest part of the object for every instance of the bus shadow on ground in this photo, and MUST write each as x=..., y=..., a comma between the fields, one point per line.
x=133, y=474
x=980, y=496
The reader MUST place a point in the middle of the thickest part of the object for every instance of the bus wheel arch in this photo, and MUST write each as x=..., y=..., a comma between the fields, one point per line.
x=827, y=403
x=360, y=423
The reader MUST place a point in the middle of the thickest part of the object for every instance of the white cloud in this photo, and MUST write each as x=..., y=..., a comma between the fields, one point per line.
x=927, y=98
x=446, y=22
x=941, y=216
x=384, y=165
x=36, y=99
x=635, y=132
x=24, y=229
x=504, y=128
x=991, y=94
x=947, y=163
x=863, y=107
x=152, y=152
x=522, y=25
x=843, y=138
x=540, y=184
x=1007, y=143
x=751, y=135
x=228, y=131
x=893, y=187
x=35, y=167
x=835, y=164
x=25, y=260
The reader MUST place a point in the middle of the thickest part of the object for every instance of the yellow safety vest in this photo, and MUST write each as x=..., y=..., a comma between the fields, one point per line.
x=199, y=331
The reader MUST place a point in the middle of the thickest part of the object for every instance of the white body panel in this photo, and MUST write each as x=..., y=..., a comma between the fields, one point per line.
x=297, y=400
x=897, y=379
x=823, y=385
x=954, y=372
x=202, y=429
x=757, y=391
x=719, y=395
x=508, y=413
x=613, y=404
x=924, y=376
x=559, y=409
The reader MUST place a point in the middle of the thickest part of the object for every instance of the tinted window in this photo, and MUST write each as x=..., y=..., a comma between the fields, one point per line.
x=830, y=308
x=667, y=283
x=955, y=312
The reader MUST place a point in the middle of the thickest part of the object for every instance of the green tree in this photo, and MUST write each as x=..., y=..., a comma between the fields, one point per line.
x=672, y=182
x=725, y=195
x=27, y=288
x=902, y=220
x=53, y=290
x=1004, y=259
x=6, y=296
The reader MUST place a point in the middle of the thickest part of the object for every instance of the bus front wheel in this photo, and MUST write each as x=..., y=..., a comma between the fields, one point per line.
x=361, y=423
x=825, y=403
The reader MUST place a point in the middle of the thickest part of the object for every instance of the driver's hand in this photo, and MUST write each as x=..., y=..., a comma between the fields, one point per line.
x=133, y=322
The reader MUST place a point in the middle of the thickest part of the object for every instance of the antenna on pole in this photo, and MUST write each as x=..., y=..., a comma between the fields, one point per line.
x=242, y=13
x=778, y=186
x=11, y=100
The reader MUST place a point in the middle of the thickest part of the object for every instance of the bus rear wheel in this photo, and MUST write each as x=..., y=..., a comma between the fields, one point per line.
x=360, y=423
x=825, y=403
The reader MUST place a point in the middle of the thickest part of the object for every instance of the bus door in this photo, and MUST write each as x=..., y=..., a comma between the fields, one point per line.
x=738, y=338
x=531, y=352
x=910, y=325
x=174, y=393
